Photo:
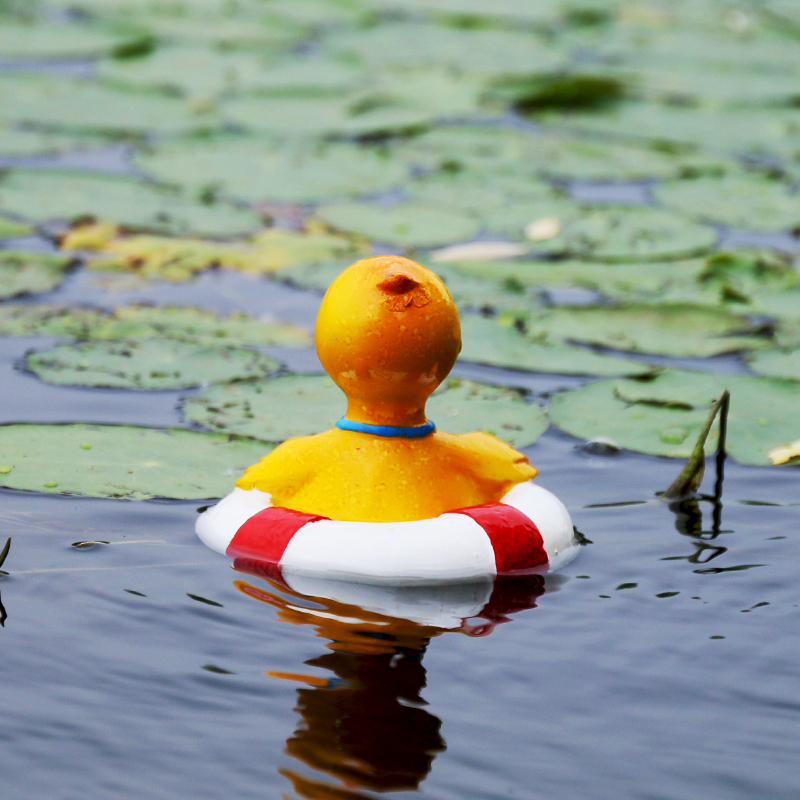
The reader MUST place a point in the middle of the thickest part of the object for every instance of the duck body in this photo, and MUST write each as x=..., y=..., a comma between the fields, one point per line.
x=384, y=497
x=360, y=477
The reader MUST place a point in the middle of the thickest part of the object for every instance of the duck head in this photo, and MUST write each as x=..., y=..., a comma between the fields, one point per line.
x=388, y=334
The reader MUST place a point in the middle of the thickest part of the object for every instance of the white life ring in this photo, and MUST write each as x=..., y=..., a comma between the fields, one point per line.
x=529, y=531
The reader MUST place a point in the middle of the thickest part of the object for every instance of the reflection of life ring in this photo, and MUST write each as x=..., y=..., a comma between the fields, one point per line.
x=475, y=607
x=529, y=531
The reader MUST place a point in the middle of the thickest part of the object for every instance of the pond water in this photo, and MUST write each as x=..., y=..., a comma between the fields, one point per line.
x=661, y=663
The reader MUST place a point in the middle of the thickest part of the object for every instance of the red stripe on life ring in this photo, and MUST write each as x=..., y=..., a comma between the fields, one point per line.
x=265, y=535
x=268, y=570
x=515, y=538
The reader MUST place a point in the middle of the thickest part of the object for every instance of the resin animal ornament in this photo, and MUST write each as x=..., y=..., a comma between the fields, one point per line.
x=384, y=496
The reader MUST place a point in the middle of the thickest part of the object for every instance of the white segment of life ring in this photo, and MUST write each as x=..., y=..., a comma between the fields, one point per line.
x=449, y=548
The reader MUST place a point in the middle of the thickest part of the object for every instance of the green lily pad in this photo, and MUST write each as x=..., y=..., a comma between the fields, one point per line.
x=307, y=74
x=681, y=128
x=486, y=341
x=776, y=364
x=354, y=115
x=317, y=277
x=751, y=280
x=405, y=224
x=592, y=160
x=505, y=203
x=648, y=281
x=629, y=233
x=30, y=273
x=317, y=12
x=254, y=169
x=184, y=323
x=54, y=40
x=488, y=149
x=280, y=408
x=83, y=106
x=197, y=71
x=481, y=148
x=47, y=320
x=10, y=228
x=664, y=416
x=190, y=324
x=297, y=405
x=668, y=330
x=568, y=91
x=461, y=406
x=254, y=31
x=179, y=259
x=745, y=200
x=496, y=295
x=416, y=44
x=45, y=196
x=124, y=462
x=541, y=11
x=15, y=142
x=287, y=116
x=146, y=364
x=187, y=70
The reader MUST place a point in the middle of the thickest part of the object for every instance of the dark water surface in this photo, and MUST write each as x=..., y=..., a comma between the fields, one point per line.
x=662, y=664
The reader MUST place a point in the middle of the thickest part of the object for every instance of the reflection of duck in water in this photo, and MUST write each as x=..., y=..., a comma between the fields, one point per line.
x=366, y=725
x=384, y=496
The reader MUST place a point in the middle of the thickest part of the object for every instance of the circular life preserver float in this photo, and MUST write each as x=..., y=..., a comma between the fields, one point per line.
x=529, y=531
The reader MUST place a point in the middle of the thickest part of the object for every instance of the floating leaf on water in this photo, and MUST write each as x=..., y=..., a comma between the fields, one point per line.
x=776, y=364
x=189, y=70
x=295, y=405
x=85, y=106
x=185, y=323
x=505, y=203
x=569, y=91
x=405, y=224
x=417, y=44
x=146, y=364
x=487, y=342
x=312, y=276
x=179, y=259
x=632, y=233
x=255, y=169
x=780, y=455
x=30, y=273
x=54, y=40
x=191, y=324
x=9, y=228
x=641, y=415
x=280, y=408
x=493, y=151
x=745, y=200
x=47, y=320
x=44, y=196
x=125, y=462
x=680, y=129
x=516, y=10
x=287, y=116
x=679, y=330
x=649, y=281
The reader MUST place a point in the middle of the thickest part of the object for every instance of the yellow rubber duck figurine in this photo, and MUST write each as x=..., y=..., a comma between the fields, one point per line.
x=388, y=334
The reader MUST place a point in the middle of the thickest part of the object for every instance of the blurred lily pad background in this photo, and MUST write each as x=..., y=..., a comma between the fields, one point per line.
x=609, y=189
